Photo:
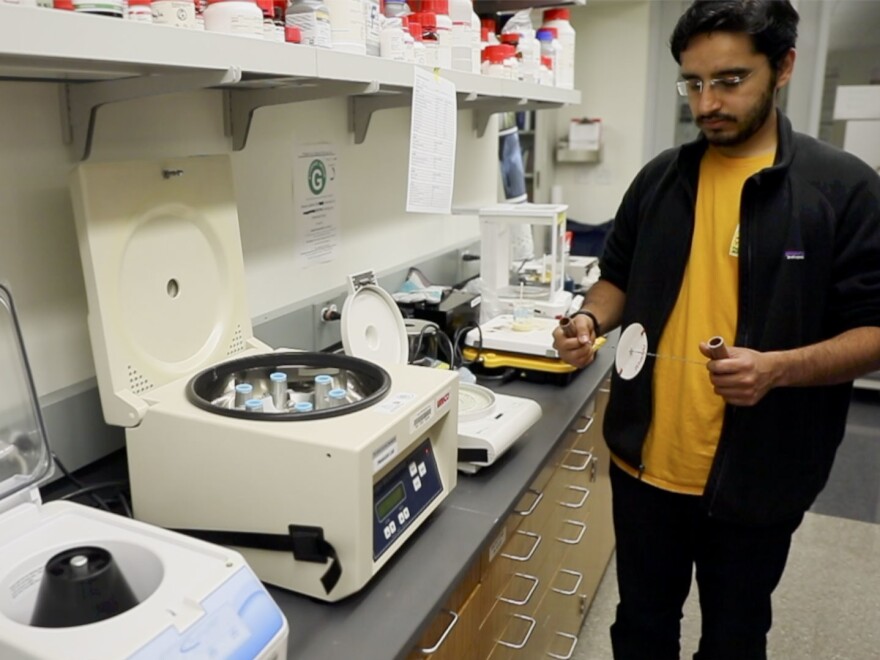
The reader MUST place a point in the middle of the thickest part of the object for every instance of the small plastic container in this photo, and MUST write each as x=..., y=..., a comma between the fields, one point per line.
x=64, y=5
x=392, y=45
x=420, y=53
x=493, y=64
x=113, y=8
x=313, y=20
x=292, y=34
x=302, y=407
x=177, y=13
x=278, y=384
x=348, y=26
x=430, y=39
x=240, y=17
x=140, y=11
x=253, y=405
x=559, y=19
x=550, y=48
x=396, y=8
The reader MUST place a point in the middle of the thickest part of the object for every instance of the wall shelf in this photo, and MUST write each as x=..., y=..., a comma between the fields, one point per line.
x=101, y=60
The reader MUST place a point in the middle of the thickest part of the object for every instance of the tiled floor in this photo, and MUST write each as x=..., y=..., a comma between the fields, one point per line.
x=827, y=606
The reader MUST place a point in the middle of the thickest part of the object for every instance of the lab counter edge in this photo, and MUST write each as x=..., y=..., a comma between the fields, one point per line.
x=385, y=620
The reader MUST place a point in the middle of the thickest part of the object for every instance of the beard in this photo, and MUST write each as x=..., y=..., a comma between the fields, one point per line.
x=742, y=129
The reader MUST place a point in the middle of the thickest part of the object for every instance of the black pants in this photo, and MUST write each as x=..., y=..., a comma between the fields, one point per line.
x=660, y=537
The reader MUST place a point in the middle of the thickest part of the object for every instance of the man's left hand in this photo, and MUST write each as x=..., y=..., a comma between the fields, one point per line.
x=742, y=378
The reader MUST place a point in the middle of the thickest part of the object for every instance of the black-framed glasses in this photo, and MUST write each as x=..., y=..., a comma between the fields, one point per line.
x=694, y=86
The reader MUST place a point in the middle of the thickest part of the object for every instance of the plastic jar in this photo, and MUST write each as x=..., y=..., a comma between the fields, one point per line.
x=550, y=48
x=65, y=5
x=396, y=8
x=348, y=26
x=178, y=13
x=140, y=11
x=420, y=53
x=313, y=20
x=494, y=63
x=114, y=8
x=292, y=34
x=559, y=19
x=409, y=42
x=372, y=26
x=392, y=45
x=241, y=17
x=440, y=9
x=428, y=21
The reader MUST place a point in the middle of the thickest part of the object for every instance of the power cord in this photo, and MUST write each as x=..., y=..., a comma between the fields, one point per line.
x=79, y=484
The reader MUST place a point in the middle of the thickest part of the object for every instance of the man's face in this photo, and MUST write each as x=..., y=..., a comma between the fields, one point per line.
x=734, y=112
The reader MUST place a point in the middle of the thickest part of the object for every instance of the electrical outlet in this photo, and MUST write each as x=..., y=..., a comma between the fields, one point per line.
x=327, y=330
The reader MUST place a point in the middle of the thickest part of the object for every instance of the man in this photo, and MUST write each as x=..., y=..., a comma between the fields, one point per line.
x=771, y=240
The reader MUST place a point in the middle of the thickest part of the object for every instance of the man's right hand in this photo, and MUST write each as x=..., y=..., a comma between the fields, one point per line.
x=578, y=351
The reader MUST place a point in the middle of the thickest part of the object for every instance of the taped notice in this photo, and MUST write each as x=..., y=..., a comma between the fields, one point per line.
x=395, y=403
x=384, y=454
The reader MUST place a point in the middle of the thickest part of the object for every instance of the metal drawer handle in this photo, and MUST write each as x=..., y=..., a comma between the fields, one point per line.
x=528, y=634
x=580, y=578
x=587, y=426
x=580, y=468
x=445, y=634
x=574, y=641
x=585, y=492
x=530, y=553
x=531, y=509
x=583, y=529
x=534, y=580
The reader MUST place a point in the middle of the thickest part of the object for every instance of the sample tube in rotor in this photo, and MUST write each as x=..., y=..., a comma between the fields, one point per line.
x=243, y=392
x=323, y=385
x=278, y=389
x=302, y=406
x=254, y=405
x=336, y=397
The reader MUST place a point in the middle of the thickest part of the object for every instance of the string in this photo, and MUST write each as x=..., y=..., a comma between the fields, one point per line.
x=665, y=357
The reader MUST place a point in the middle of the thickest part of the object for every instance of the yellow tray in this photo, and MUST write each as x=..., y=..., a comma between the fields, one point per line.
x=500, y=359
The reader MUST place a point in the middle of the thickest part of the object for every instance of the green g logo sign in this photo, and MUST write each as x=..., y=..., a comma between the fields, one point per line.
x=317, y=177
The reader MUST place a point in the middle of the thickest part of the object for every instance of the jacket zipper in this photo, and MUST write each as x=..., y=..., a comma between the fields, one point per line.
x=742, y=322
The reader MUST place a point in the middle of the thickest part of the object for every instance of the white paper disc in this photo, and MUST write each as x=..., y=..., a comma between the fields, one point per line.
x=632, y=351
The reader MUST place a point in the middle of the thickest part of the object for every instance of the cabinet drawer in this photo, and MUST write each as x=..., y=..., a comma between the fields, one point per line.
x=451, y=617
x=455, y=639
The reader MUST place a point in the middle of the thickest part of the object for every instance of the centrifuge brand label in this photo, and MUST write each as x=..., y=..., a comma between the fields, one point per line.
x=395, y=403
x=385, y=453
x=443, y=401
x=421, y=418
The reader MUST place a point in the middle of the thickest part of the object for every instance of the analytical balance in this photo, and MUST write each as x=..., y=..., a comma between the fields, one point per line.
x=538, y=281
x=316, y=498
x=79, y=581
x=373, y=328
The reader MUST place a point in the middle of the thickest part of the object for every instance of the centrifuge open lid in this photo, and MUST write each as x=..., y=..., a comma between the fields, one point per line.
x=25, y=459
x=372, y=324
x=164, y=274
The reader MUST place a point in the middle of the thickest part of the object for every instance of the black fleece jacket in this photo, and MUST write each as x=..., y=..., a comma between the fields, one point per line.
x=809, y=269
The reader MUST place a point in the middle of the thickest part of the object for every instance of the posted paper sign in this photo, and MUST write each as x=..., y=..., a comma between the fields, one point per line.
x=431, y=144
x=316, y=203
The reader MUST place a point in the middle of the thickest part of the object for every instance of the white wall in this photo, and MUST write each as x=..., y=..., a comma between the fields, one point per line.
x=39, y=258
x=611, y=70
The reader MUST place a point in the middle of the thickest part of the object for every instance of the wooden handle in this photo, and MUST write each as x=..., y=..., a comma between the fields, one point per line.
x=717, y=348
x=567, y=326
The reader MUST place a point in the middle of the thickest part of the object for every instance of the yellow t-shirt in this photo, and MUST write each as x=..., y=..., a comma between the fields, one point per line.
x=687, y=419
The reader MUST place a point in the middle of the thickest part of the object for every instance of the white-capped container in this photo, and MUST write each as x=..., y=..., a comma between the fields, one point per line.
x=114, y=8
x=396, y=8
x=177, y=13
x=372, y=26
x=240, y=17
x=440, y=9
x=313, y=20
x=551, y=48
x=392, y=42
x=420, y=53
x=565, y=33
x=140, y=11
x=348, y=26
x=465, y=36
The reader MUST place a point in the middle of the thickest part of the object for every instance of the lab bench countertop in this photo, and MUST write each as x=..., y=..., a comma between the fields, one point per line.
x=385, y=619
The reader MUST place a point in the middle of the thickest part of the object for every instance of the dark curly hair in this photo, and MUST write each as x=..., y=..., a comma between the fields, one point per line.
x=772, y=25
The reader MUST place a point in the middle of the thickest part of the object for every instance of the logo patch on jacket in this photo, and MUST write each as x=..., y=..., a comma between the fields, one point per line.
x=734, y=244
x=794, y=255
